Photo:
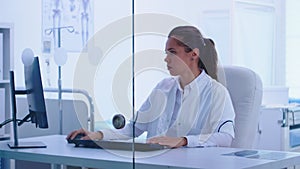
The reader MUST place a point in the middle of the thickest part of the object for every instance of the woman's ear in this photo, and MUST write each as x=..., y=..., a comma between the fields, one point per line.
x=195, y=53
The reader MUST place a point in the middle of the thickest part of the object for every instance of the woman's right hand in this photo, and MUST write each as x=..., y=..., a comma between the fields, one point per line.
x=98, y=135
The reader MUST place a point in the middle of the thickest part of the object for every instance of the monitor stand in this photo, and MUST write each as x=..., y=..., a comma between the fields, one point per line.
x=16, y=144
x=27, y=145
x=14, y=120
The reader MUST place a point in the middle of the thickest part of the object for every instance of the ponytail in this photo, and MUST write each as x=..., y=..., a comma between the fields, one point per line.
x=208, y=58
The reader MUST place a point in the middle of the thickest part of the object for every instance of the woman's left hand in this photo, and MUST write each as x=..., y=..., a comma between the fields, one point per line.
x=172, y=142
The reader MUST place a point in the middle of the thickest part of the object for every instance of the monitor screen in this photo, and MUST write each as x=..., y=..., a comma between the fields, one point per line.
x=35, y=94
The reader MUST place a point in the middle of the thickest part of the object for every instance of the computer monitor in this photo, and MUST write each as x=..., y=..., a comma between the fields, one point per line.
x=36, y=103
x=35, y=94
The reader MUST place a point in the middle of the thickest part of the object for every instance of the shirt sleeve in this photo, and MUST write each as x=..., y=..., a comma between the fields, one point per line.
x=215, y=139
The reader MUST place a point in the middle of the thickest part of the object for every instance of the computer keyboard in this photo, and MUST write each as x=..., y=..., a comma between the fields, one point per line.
x=116, y=145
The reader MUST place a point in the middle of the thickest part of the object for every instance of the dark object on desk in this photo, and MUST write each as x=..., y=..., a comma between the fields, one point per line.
x=36, y=144
x=245, y=153
x=4, y=137
x=116, y=145
x=77, y=137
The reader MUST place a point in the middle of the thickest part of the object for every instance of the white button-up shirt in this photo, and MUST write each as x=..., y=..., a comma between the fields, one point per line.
x=202, y=112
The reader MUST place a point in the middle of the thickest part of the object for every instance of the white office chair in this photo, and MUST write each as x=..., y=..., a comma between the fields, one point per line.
x=245, y=89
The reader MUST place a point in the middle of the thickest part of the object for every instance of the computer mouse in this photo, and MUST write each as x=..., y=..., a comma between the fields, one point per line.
x=77, y=137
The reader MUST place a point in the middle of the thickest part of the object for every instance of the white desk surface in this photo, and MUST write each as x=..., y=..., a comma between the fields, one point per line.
x=58, y=151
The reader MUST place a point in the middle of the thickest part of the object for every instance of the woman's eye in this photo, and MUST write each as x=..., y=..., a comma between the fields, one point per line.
x=171, y=52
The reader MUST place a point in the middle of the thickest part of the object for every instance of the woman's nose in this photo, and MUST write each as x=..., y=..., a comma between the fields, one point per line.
x=167, y=59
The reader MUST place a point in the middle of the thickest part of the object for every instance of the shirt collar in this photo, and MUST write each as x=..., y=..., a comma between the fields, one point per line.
x=198, y=79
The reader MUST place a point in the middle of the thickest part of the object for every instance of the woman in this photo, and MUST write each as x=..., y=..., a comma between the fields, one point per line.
x=188, y=109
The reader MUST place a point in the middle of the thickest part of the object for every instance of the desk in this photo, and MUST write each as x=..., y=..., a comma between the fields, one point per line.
x=59, y=152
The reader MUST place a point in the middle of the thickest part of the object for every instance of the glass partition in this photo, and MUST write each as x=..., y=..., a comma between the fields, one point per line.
x=126, y=57
x=104, y=67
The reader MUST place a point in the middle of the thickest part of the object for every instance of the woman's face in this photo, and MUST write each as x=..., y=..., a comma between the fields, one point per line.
x=178, y=61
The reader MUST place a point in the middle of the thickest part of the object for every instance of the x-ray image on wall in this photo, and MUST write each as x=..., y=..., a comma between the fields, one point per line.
x=66, y=23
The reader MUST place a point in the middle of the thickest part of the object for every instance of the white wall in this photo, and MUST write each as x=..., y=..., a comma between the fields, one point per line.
x=211, y=17
x=27, y=28
x=26, y=17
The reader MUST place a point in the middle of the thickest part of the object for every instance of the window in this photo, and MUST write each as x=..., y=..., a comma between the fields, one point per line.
x=292, y=47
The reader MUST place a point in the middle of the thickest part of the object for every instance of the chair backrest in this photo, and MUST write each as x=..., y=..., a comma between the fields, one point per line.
x=245, y=89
